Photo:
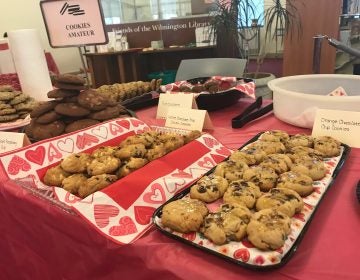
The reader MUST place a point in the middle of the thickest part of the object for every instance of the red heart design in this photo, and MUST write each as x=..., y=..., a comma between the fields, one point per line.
x=16, y=164
x=66, y=145
x=156, y=195
x=182, y=174
x=310, y=207
x=115, y=129
x=100, y=131
x=242, y=254
x=223, y=151
x=36, y=156
x=53, y=153
x=299, y=216
x=259, y=260
x=247, y=243
x=70, y=198
x=210, y=142
x=217, y=158
x=103, y=213
x=85, y=140
x=189, y=236
x=206, y=163
x=317, y=190
x=126, y=226
x=124, y=123
x=172, y=185
x=143, y=214
x=136, y=122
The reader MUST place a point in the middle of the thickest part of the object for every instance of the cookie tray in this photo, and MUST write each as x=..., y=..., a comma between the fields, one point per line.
x=244, y=253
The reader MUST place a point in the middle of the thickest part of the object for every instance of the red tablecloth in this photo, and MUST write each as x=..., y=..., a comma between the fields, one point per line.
x=41, y=241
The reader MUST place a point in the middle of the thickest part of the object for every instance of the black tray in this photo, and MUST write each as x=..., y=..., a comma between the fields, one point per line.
x=219, y=100
x=285, y=258
x=142, y=101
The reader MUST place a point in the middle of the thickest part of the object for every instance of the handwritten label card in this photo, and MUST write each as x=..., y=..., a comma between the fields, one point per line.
x=342, y=125
x=11, y=140
x=174, y=100
x=190, y=119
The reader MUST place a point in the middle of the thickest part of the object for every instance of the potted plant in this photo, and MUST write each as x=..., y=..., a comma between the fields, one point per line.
x=230, y=21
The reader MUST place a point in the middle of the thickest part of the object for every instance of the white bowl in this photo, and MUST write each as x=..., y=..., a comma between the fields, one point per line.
x=296, y=98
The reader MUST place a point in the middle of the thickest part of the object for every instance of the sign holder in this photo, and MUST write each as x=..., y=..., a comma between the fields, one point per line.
x=74, y=23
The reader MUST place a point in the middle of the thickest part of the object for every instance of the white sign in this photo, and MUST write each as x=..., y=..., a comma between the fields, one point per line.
x=341, y=125
x=74, y=22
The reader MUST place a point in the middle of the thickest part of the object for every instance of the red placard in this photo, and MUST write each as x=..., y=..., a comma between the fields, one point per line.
x=73, y=22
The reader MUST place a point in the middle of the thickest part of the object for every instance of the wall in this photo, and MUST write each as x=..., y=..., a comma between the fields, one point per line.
x=20, y=14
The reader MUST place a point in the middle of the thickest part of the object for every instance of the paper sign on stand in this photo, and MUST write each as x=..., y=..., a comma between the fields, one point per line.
x=189, y=119
x=171, y=100
x=341, y=125
x=12, y=140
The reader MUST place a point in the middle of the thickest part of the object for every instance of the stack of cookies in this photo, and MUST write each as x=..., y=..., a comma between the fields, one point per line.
x=14, y=104
x=73, y=107
x=125, y=91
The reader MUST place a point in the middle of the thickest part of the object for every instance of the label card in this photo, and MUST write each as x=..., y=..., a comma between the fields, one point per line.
x=74, y=23
x=12, y=140
x=172, y=100
x=190, y=119
x=342, y=125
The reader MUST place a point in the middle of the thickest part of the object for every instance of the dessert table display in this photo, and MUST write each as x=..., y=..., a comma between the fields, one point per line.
x=43, y=240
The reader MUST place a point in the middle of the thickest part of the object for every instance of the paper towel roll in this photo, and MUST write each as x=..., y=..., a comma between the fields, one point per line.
x=30, y=63
x=6, y=60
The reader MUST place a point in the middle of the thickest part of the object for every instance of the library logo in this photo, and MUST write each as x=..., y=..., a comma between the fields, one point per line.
x=74, y=10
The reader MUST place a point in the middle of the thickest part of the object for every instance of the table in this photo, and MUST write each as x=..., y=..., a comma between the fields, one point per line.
x=41, y=241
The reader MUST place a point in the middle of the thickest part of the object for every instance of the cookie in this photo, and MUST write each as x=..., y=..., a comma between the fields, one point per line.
x=311, y=167
x=184, y=215
x=134, y=150
x=231, y=170
x=45, y=131
x=73, y=182
x=92, y=100
x=54, y=176
x=5, y=106
x=8, y=111
x=19, y=99
x=147, y=139
x=48, y=117
x=107, y=113
x=227, y=224
x=285, y=200
x=70, y=79
x=103, y=151
x=79, y=124
x=268, y=229
x=95, y=183
x=299, y=152
x=269, y=147
x=300, y=140
x=131, y=165
x=76, y=163
x=42, y=108
x=4, y=88
x=209, y=188
x=155, y=152
x=62, y=93
x=104, y=164
x=264, y=177
x=192, y=135
x=71, y=110
x=274, y=136
x=28, y=105
x=8, y=118
x=242, y=192
x=250, y=156
x=7, y=95
x=279, y=162
x=327, y=145
x=171, y=141
x=296, y=181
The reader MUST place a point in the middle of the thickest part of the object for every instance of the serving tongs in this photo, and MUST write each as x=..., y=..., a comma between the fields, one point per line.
x=140, y=101
x=252, y=112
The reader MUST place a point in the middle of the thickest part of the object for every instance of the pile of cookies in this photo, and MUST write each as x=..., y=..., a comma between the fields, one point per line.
x=73, y=107
x=14, y=104
x=125, y=91
x=83, y=174
x=261, y=186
